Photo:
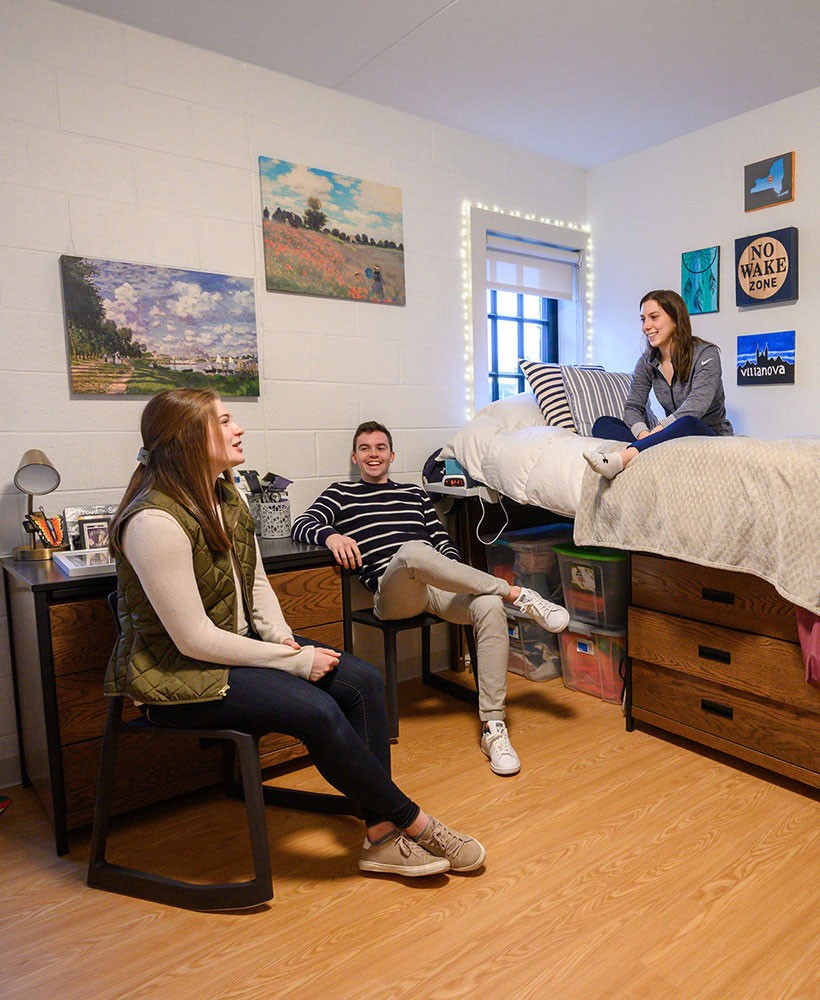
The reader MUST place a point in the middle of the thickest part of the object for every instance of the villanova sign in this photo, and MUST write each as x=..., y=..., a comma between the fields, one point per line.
x=766, y=359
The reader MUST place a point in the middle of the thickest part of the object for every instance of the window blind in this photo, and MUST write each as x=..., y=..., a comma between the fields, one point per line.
x=524, y=265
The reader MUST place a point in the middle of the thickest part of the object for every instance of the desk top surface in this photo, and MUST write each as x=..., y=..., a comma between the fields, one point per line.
x=277, y=554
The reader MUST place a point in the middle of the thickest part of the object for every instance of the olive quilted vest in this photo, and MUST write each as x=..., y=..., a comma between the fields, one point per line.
x=145, y=664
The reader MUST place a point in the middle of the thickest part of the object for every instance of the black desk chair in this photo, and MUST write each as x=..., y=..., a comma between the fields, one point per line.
x=389, y=630
x=102, y=874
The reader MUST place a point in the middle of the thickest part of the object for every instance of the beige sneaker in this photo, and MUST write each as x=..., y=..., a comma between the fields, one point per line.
x=397, y=854
x=464, y=853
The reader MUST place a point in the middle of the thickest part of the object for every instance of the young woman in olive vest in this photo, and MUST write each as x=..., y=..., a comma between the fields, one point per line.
x=204, y=642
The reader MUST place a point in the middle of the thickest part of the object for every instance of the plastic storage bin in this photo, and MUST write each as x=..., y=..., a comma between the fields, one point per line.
x=591, y=660
x=595, y=584
x=533, y=651
x=527, y=558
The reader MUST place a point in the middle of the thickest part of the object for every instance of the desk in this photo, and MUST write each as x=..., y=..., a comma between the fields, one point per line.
x=61, y=634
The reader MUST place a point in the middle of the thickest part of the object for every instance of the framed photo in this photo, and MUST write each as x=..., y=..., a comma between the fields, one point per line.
x=700, y=280
x=769, y=182
x=72, y=516
x=94, y=531
x=84, y=563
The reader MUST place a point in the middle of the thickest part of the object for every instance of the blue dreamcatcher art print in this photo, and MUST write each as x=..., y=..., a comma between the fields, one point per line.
x=700, y=280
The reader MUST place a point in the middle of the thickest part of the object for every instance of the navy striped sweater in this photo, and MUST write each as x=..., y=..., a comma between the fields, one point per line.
x=380, y=517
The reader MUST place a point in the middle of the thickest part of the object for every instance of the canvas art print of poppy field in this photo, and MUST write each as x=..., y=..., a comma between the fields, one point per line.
x=330, y=235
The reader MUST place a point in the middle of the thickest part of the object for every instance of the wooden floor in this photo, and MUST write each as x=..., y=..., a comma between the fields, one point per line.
x=619, y=866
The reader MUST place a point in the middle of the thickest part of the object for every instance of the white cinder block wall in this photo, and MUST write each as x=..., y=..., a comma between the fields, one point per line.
x=686, y=194
x=119, y=144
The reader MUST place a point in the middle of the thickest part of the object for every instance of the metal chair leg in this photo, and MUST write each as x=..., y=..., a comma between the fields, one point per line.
x=105, y=787
x=391, y=682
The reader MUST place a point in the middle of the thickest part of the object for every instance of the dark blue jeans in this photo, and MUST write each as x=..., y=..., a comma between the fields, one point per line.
x=613, y=429
x=341, y=719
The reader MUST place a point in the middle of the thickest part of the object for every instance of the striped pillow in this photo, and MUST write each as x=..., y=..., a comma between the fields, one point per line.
x=592, y=394
x=547, y=385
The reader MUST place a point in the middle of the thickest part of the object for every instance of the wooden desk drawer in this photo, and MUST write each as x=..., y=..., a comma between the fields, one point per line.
x=738, y=600
x=149, y=769
x=309, y=596
x=735, y=719
x=82, y=635
x=82, y=706
x=766, y=667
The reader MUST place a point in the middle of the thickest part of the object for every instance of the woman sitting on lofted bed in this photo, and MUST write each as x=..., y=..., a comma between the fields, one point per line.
x=684, y=372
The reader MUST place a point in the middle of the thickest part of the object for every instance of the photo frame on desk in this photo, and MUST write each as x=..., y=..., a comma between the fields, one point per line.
x=84, y=562
x=93, y=530
x=72, y=516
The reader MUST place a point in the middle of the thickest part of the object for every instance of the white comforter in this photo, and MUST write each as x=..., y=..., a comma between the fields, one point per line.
x=508, y=446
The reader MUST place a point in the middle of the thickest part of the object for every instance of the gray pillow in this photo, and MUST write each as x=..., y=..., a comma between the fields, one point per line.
x=592, y=394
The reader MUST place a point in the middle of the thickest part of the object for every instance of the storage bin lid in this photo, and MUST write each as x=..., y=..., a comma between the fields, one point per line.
x=590, y=552
x=534, y=538
x=582, y=628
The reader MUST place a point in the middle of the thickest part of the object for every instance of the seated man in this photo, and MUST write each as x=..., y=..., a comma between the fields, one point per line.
x=392, y=533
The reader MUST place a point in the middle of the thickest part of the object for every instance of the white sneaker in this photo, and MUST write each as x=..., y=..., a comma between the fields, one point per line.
x=550, y=616
x=495, y=744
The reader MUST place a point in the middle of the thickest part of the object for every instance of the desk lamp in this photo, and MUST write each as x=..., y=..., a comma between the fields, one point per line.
x=35, y=476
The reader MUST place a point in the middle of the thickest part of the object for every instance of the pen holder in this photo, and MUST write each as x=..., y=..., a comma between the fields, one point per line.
x=271, y=518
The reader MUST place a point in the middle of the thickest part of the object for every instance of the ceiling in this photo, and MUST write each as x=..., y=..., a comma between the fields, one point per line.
x=586, y=82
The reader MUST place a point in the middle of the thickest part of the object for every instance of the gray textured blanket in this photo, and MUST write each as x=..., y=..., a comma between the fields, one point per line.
x=746, y=504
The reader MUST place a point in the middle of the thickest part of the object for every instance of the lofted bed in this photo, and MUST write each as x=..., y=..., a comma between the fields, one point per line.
x=723, y=633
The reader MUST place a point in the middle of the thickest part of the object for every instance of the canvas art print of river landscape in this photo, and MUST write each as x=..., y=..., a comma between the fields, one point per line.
x=136, y=329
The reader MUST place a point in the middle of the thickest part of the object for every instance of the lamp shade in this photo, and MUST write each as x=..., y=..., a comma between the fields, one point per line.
x=35, y=475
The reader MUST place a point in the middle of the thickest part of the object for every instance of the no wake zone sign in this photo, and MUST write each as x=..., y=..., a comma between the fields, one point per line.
x=766, y=268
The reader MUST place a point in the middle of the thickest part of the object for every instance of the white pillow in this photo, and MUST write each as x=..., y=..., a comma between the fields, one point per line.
x=511, y=412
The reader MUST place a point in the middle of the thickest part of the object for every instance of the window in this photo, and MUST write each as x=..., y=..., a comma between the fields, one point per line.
x=527, y=281
x=519, y=325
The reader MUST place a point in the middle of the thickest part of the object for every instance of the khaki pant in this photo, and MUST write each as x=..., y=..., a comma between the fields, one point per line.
x=418, y=579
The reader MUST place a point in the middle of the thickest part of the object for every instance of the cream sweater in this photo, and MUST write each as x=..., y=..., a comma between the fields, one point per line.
x=160, y=552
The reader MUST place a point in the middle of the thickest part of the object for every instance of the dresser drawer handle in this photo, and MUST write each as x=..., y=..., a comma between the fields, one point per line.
x=720, y=655
x=717, y=596
x=715, y=708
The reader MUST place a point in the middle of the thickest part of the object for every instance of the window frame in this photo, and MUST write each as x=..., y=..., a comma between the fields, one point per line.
x=574, y=346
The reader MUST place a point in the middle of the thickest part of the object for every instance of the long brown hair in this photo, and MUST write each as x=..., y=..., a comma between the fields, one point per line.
x=176, y=431
x=682, y=339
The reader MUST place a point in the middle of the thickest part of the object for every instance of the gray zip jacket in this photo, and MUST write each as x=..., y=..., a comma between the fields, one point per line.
x=700, y=396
